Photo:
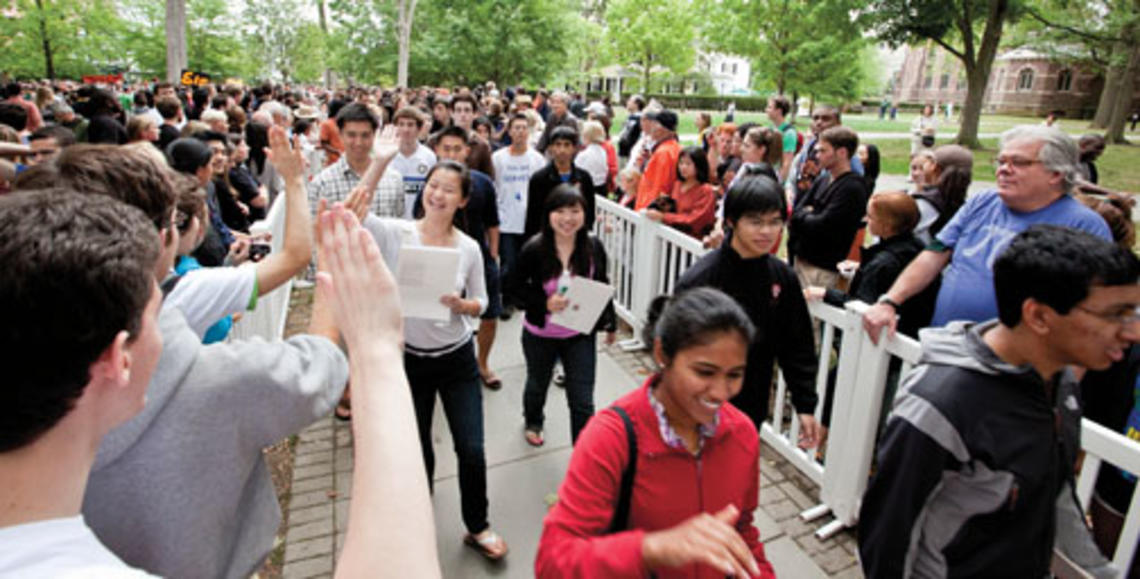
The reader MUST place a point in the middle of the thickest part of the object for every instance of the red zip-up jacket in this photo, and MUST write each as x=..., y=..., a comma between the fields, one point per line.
x=671, y=486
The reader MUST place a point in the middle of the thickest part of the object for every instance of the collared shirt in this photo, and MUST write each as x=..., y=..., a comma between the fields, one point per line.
x=670, y=436
x=336, y=181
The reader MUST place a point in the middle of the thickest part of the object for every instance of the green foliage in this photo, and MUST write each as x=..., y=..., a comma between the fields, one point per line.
x=796, y=46
x=507, y=41
x=84, y=36
x=287, y=46
x=362, y=40
x=653, y=33
x=213, y=41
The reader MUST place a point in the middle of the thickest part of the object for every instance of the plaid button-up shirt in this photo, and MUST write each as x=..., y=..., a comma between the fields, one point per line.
x=336, y=181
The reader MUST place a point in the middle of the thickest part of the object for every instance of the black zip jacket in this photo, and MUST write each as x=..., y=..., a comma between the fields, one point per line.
x=880, y=266
x=825, y=220
x=542, y=183
x=524, y=284
x=974, y=459
x=770, y=294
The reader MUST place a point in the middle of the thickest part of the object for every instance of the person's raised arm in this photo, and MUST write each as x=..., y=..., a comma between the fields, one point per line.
x=297, y=246
x=390, y=525
x=359, y=200
x=919, y=274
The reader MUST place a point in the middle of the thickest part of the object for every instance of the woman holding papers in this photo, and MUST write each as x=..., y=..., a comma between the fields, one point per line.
x=664, y=483
x=438, y=353
x=547, y=268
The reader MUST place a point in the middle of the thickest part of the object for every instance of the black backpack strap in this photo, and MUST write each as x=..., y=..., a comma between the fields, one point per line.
x=168, y=284
x=621, y=514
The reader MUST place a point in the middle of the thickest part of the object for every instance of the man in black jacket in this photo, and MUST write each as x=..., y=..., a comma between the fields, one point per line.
x=769, y=292
x=563, y=146
x=826, y=219
x=631, y=130
x=975, y=469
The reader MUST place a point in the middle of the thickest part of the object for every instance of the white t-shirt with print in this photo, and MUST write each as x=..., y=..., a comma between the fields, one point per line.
x=512, y=179
x=209, y=294
x=59, y=548
x=413, y=169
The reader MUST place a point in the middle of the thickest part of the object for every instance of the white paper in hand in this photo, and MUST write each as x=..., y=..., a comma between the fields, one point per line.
x=425, y=274
x=588, y=298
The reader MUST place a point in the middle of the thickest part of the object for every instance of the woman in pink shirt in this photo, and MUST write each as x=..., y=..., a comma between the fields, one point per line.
x=547, y=264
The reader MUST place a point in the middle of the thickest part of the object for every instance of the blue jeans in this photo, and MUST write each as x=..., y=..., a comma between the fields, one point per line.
x=509, y=246
x=455, y=376
x=579, y=360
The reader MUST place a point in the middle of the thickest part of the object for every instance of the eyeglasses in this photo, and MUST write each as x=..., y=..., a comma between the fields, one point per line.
x=1014, y=162
x=1123, y=316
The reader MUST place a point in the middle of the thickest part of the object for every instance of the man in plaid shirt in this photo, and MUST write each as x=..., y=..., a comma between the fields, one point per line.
x=357, y=127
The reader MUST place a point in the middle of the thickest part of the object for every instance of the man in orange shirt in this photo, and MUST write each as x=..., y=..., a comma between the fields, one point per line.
x=331, y=142
x=661, y=171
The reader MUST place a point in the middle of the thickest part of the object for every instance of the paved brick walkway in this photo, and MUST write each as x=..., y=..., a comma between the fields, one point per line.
x=521, y=479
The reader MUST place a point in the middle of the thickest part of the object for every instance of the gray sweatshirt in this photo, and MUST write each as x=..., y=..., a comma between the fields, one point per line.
x=181, y=490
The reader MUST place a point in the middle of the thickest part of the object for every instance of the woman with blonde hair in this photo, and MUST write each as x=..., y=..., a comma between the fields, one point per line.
x=592, y=159
x=142, y=128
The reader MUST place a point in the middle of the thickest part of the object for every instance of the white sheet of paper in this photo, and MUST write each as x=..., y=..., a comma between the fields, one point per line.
x=587, y=300
x=425, y=274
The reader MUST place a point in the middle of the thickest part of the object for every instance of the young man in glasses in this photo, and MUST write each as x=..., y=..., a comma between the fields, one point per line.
x=975, y=469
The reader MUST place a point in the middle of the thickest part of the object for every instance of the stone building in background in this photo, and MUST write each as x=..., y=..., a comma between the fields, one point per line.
x=1023, y=81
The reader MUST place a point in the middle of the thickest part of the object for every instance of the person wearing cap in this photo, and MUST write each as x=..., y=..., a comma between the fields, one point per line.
x=661, y=171
x=192, y=157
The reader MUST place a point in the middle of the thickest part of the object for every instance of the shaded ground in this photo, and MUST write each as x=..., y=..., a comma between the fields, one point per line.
x=279, y=457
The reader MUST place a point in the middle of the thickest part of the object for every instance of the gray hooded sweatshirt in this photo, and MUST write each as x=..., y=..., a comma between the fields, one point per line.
x=181, y=490
x=975, y=468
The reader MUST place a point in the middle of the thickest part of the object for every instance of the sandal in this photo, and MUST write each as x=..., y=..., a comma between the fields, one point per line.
x=534, y=437
x=491, y=545
x=493, y=383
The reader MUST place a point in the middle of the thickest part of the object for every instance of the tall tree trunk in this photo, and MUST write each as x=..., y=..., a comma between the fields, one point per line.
x=407, y=14
x=175, y=39
x=978, y=65
x=324, y=23
x=1112, y=81
x=1123, y=105
x=49, y=62
x=645, y=73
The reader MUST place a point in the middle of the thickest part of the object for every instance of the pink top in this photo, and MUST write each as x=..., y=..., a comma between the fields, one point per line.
x=550, y=330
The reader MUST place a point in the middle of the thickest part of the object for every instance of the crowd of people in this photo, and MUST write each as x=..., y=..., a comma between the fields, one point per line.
x=126, y=230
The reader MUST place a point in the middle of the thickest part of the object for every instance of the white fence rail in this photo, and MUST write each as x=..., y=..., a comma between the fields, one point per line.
x=646, y=260
x=268, y=319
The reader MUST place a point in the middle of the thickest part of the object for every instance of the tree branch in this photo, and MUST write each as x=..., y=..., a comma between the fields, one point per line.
x=945, y=46
x=1070, y=29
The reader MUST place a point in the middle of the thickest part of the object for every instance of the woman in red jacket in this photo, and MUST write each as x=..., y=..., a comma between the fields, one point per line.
x=695, y=473
x=694, y=196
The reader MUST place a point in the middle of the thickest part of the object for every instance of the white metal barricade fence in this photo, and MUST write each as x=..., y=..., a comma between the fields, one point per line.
x=267, y=320
x=646, y=259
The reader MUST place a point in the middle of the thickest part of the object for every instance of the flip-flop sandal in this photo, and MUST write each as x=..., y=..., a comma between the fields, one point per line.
x=492, y=546
x=343, y=411
x=492, y=384
x=534, y=437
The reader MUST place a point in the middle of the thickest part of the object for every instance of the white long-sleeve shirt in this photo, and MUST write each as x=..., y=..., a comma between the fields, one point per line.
x=429, y=337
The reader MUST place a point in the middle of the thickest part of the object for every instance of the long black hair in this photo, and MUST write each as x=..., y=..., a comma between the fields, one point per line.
x=564, y=195
x=694, y=318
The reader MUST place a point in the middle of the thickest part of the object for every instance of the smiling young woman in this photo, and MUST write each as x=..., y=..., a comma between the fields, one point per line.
x=687, y=510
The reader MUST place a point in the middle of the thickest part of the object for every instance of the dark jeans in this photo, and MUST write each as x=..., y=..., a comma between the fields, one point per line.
x=455, y=377
x=509, y=246
x=579, y=360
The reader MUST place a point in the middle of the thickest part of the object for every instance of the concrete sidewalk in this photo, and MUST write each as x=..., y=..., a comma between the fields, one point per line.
x=522, y=481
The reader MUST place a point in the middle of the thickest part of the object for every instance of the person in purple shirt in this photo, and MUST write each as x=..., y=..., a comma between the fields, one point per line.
x=1037, y=169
